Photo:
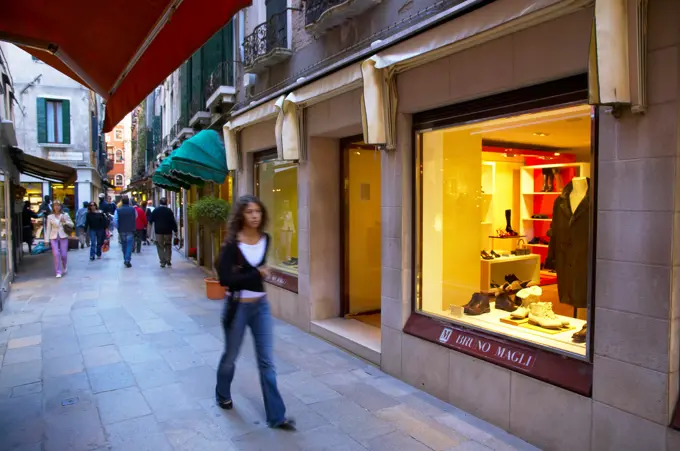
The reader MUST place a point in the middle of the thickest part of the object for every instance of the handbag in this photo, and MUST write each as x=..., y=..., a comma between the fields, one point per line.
x=522, y=248
x=68, y=229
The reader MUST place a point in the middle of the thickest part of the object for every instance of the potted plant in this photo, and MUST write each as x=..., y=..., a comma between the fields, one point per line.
x=210, y=213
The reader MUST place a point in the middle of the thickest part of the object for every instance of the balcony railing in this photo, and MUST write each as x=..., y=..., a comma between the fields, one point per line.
x=195, y=106
x=321, y=15
x=268, y=43
x=223, y=75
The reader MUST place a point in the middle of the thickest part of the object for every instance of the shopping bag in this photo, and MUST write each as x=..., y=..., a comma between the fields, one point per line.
x=105, y=246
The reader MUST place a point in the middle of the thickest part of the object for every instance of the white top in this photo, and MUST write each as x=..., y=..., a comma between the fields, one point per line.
x=254, y=254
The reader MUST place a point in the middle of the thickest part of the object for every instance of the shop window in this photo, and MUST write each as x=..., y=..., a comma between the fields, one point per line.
x=54, y=121
x=119, y=156
x=119, y=180
x=504, y=224
x=276, y=186
x=118, y=134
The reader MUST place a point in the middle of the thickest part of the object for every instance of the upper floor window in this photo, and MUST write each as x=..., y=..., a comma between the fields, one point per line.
x=119, y=156
x=119, y=179
x=118, y=135
x=54, y=121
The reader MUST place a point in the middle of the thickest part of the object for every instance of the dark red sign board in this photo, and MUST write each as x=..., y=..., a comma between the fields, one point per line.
x=569, y=373
x=284, y=280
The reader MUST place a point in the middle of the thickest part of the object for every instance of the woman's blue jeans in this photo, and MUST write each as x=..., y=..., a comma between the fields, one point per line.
x=257, y=316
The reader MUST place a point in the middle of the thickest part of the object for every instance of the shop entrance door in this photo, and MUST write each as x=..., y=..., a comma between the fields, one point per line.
x=361, y=232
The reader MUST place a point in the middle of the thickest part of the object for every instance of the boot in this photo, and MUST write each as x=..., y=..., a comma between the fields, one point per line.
x=528, y=297
x=580, y=336
x=551, y=182
x=478, y=305
x=541, y=314
x=508, y=226
x=546, y=177
x=504, y=302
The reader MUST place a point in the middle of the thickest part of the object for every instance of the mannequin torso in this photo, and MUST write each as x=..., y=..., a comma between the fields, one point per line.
x=578, y=192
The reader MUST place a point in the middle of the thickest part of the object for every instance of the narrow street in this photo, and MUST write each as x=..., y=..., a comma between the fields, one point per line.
x=124, y=359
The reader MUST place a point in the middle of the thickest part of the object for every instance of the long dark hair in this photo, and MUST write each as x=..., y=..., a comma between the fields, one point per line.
x=237, y=218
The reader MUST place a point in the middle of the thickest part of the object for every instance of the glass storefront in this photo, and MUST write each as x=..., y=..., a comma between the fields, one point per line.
x=4, y=229
x=504, y=226
x=276, y=186
x=34, y=195
x=67, y=195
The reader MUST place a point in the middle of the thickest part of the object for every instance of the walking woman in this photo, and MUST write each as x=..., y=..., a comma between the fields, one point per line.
x=96, y=224
x=58, y=236
x=242, y=267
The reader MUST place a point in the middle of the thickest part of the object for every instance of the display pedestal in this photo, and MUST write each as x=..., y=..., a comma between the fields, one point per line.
x=525, y=267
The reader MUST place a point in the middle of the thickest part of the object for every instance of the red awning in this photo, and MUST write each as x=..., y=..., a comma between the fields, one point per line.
x=121, y=49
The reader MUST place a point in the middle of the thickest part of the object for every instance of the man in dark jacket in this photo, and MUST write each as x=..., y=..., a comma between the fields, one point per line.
x=125, y=220
x=164, y=224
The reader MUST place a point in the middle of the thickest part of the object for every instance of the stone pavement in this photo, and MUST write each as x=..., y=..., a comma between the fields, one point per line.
x=124, y=359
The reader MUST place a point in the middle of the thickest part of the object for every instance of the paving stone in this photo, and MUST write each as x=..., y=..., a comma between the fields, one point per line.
x=121, y=405
x=61, y=366
x=198, y=382
x=110, y=377
x=352, y=419
x=20, y=373
x=152, y=374
x=182, y=358
x=102, y=355
x=151, y=326
x=27, y=389
x=22, y=342
x=169, y=400
x=366, y=396
x=60, y=346
x=75, y=430
x=27, y=330
x=91, y=330
x=165, y=340
x=422, y=428
x=265, y=439
x=21, y=355
x=396, y=441
x=66, y=394
x=195, y=430
x=139, y=353
x=306, y=388
x=204, y=343
x=95, y=340
x=325, y=438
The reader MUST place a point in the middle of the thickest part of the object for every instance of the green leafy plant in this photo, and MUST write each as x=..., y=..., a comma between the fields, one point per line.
x=209, y=212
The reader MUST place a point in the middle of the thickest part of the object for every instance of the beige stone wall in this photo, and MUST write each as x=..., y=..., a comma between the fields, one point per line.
x=301, y=38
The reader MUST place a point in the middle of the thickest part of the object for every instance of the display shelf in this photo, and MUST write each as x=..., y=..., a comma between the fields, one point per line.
x=492, y=322
x=507, y=237
x=537, y=219
x=538, y=245
x=538, y=193
x=525, y=267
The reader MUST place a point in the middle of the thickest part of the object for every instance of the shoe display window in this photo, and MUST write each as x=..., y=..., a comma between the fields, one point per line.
x=276, y=186
x=504, y=226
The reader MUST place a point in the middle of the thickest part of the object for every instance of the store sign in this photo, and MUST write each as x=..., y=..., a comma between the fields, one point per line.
x=71, y=156
x=489, y=350
x=566, y=372
x=284, y=280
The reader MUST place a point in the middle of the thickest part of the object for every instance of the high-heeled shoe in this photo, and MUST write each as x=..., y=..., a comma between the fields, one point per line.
x=486, y=255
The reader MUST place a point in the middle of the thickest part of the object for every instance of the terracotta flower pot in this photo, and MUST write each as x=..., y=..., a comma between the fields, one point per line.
x=213, y=289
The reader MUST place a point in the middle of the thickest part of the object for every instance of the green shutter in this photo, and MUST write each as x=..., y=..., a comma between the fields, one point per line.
x=196, y=80
x=228, y=33
x=66, y=121
x=42, y=119
x=212, y=54
x=185, y=86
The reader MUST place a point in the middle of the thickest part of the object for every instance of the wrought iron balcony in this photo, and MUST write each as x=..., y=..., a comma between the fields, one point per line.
x=267, y=45
x=219, y=86
x=180, y=131
x=199, y=116
x=321, y=15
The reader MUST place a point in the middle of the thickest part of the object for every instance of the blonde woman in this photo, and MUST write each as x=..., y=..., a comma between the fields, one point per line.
x=58, y=236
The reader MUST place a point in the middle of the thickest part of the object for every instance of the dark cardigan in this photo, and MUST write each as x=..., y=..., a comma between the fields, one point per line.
x=236, y=273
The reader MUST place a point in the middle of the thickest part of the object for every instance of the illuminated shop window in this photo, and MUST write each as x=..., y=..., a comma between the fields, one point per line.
x=504, y=221
x=276, y=186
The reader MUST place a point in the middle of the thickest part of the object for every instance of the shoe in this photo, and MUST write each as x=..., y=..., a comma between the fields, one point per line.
x=91, y=258
x=580, y=336
x=540, y=216
x=162, y=265
x=58, y=276
x=541, y=314
x=99, y=257
x=226, y=404
x=128, y=264
x=494, y=254
x=503, y=302
x=511, y=278
x=82, y=246
x=485, y=255
x=508, y=220
x=478, y=305
x=287, y=425
x=535, y=240
x=528, y=297
x=169, y=264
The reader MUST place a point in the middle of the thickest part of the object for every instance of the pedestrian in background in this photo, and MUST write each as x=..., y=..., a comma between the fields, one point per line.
x=150, y=233
x=165, y=225
x=58, y=236
x=83, y=236
x=125, y=219
x=96, y=223
x=140, y=223
x=242, y=267
x=27, y=216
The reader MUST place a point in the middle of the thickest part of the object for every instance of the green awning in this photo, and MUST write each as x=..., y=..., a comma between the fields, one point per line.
x=199, y=159
x=165, y=183
x=164, y=175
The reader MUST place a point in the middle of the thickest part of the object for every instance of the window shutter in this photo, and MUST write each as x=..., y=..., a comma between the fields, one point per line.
x=66, y=120
x=42, y=119
x=228, y=36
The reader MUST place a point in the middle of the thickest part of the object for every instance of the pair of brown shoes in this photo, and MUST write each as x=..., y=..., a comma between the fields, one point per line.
x=478, y=305
x=580, y=336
